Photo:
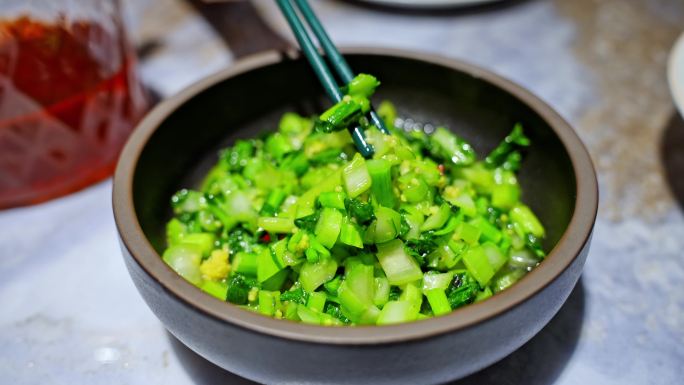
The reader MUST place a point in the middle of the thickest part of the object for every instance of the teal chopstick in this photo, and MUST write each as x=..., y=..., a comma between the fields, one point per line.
x=321, y=70
x=333, y=54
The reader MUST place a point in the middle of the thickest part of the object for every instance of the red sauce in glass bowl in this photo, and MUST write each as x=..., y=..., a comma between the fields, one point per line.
x=69, y=97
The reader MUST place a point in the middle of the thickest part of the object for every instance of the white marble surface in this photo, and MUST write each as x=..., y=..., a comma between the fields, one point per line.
x=69, y=313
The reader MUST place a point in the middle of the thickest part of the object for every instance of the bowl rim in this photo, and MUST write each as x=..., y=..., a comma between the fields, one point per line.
x=568, y=248
x=675, y=73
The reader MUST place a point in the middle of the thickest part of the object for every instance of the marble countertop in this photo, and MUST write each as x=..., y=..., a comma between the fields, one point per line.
x=70, y=314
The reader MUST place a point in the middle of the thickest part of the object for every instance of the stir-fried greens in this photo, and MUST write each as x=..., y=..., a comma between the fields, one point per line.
x=298, y=225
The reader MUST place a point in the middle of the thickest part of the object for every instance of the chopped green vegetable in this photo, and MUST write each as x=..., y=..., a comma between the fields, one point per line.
x=398, y=266
x=525, y=218
x=362, y=212
x=238, y=289
x=334, y=310
x=268, y=265
x=419, y=249
x=185, y=259
x=332, y=199
x=297, y=225
x=463, y=290
x=268, y=302
x=356, y=177
x=387, y=224
x=381, y=186
x=273, y=201
x=432, y=280
x=478, y=265
x=482, y=295
x=204, y=241
x=313, y=275
x=297, y=295
x=439, y=303
x=308, y=222
x=507, y=279
x=276, y=224
x=308, y=316
x=350, y=234
x=438, y=219
x=413, y=188
x=382, y=291
x=452, y=148
x=505, y=196
x=340, y=116
x=397, y=312
x=216, y=289
x=362, y=85
x=505, y=151
x=316, y=301
x=328, y=227
x=333, y=285
x=467, y=232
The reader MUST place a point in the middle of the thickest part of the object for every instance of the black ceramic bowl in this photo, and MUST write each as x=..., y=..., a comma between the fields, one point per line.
x=178, y=140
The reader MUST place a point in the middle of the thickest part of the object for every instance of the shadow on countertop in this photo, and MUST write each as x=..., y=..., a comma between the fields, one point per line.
x=672, y=156
x=554, y=346
x=200, y=370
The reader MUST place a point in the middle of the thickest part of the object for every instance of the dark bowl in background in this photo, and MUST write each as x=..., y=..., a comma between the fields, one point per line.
x=177, y=142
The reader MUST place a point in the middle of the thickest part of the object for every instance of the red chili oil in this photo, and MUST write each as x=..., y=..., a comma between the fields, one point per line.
x=69, y=98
